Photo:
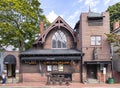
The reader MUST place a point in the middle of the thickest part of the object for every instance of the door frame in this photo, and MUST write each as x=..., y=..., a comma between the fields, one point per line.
x=11, y=67
x=92, y=71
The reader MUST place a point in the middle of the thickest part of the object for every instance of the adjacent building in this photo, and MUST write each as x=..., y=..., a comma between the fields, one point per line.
x=115, y=55
x=91, y=40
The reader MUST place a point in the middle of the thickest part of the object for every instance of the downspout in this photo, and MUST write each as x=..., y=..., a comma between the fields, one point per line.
x=82, y=67
x=20, y=70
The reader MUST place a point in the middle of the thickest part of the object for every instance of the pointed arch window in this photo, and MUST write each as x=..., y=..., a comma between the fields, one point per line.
x=59, y=40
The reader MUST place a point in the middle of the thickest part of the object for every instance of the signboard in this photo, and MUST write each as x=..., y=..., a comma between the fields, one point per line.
x=50, y=58
x=49, y=67
x=104, y=70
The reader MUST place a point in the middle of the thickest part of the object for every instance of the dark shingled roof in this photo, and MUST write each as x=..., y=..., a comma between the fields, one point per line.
x=51, y=52
x=93, y=14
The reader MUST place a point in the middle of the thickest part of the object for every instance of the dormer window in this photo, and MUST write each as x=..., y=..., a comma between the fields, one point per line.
x=59, y=40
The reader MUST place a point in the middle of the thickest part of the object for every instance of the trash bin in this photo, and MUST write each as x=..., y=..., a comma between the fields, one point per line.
x=111, y=81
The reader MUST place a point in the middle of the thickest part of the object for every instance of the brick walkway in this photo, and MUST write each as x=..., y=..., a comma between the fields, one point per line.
x=72, y=85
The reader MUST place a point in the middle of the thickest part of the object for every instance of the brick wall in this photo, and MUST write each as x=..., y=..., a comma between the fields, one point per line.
x=48, y=43
x=86, y=31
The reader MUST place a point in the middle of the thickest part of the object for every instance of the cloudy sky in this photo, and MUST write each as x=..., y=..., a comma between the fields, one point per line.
x=70, y=10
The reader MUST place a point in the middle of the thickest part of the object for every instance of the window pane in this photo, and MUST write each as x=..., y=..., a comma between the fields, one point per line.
x=49, y=68
x=59, y=44
x=53, y=43
x=64, y=45
x=92, y=40
x=60, y=67
x=55, y=67
x=59, y=40
x=98, y=40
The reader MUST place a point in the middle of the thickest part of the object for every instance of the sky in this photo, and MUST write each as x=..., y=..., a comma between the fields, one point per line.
x=70, y=10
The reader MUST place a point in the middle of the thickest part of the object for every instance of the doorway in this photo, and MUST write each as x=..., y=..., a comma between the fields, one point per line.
x=11, y=70
x=10, y=65
x=92, y=71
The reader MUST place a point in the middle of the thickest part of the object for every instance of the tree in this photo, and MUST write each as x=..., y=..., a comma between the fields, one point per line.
x=19, y=22
x=115, y=40
x=114, y=11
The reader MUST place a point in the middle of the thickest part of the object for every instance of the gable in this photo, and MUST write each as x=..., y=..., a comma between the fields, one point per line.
x=59, y=22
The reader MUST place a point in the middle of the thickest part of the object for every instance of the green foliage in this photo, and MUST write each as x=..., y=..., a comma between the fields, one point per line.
x=115, y=39
x=19, y=22
x=114, y=11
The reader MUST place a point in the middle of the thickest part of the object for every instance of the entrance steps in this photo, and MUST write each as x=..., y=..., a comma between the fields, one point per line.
x=94, y=81
x=34, y=77
x=13, y=79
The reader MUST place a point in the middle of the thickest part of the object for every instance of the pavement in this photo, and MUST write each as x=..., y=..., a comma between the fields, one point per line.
x=72, y=85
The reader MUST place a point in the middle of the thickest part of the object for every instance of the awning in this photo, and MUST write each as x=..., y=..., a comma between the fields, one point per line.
x=51, y=52
x=97, y=62
x=9, y=59
x=64, y=58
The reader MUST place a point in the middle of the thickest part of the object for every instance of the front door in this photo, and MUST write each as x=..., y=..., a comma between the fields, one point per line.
x=92, y=71
x=11, y=70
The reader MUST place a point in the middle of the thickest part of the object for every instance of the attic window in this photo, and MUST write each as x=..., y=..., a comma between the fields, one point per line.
x=59, y=40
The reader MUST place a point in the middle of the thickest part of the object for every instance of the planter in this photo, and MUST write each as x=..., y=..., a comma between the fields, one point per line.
x=111, y=81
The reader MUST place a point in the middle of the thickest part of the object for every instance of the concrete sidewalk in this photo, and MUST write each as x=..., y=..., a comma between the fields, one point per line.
x=72, y=85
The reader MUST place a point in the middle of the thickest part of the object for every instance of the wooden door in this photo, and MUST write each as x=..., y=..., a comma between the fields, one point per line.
x=92, y=71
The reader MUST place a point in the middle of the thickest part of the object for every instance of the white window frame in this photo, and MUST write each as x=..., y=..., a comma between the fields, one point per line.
x=96, y=40
x=61, y=37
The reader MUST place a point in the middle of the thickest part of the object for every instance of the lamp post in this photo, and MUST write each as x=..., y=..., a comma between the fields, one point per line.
x=111, y=45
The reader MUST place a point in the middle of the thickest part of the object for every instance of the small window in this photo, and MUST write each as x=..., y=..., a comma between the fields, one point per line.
x=60, y=67
x=95, y=40
x=49, y=67
x=55, y=67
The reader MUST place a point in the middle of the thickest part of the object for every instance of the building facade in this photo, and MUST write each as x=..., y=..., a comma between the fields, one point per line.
x=115, y=56
x=54, y=53
x=91, y=39
x=81, y=54
x=10, y=65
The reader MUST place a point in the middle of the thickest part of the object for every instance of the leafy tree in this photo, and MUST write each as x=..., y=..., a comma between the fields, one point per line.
x=19, y=22
x=114, y=11
x=115, y=39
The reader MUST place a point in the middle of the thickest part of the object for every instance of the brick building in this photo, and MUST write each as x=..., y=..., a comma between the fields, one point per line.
x=92, y=41
x=81, y=54
x=55, y=53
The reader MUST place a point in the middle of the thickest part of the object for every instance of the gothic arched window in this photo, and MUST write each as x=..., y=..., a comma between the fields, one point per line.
x=59, y=40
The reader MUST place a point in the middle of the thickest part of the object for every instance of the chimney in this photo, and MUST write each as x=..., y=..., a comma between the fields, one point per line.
x=41, y=27
x=115, y=25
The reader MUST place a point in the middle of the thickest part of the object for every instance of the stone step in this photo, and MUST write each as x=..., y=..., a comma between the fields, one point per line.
x=13, y=79
x=92, y=81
